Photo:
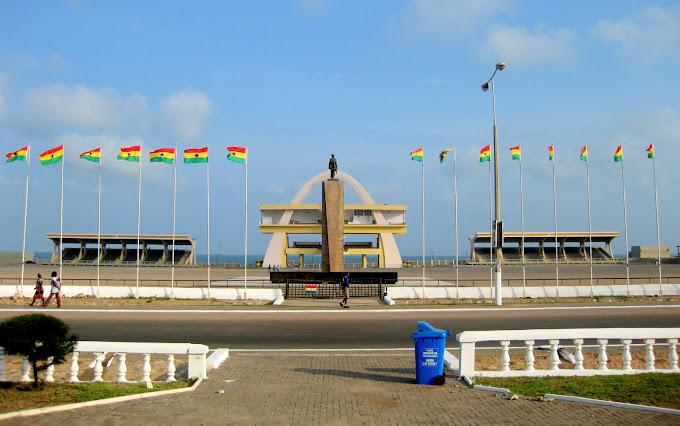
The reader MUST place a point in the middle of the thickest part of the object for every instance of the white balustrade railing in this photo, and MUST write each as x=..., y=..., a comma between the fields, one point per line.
x=196, y=356
x=572, y=338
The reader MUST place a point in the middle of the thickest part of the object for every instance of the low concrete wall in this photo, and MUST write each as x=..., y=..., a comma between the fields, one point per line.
x=396, y=292
x=161, y=292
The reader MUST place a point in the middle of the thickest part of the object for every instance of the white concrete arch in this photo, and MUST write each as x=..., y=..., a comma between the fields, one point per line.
x=273, y=255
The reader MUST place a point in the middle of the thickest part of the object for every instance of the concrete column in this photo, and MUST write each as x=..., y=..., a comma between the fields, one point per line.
x=164, y=258
x=145, y=247
x=332, y=226
x=284, y=252
x=123, y=252
x=81, y=253
x=364, y=261
x=301, y=260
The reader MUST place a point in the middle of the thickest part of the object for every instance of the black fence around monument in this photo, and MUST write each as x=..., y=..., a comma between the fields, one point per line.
x=322, y=290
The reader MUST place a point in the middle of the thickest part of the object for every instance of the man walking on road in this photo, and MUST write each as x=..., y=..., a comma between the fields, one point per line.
x=345, y=291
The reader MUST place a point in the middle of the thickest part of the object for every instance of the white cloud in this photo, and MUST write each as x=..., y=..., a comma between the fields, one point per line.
x=186, y=112
x=82, y=107
x=443, y=20
x=522, y=47
x=314, y=7
x=650, y=32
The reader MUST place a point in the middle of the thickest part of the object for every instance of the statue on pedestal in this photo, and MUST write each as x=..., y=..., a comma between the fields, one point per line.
x=333, y=166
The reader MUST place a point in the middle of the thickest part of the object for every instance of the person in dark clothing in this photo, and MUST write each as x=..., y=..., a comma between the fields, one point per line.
x=345, y=291
x=38, y=295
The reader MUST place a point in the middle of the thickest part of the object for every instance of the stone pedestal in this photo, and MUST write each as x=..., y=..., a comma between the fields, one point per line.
x=332, y=226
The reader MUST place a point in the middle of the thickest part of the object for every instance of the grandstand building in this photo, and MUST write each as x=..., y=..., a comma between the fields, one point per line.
x=539, y=247
x=121, y=249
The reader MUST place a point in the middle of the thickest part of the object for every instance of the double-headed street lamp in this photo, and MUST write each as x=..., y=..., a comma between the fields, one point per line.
x=497, y=223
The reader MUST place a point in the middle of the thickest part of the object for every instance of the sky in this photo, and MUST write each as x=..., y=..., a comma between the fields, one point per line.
x=367, y=81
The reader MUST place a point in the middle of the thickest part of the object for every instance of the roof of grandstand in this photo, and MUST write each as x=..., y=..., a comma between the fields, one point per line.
x=129, y=239
x=537, y=237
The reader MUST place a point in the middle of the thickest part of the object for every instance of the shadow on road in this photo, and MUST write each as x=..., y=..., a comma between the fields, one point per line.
x=359, y=375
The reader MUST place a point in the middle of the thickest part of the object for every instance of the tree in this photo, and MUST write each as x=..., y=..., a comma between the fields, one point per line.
x=44, y=340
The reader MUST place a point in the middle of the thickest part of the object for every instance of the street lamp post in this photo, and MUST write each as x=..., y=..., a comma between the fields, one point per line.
x=498, y=224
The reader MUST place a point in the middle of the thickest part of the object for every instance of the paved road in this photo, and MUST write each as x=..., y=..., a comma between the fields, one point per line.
x=339, y=328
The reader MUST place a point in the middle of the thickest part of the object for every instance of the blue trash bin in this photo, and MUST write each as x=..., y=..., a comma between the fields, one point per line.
x=430, y=345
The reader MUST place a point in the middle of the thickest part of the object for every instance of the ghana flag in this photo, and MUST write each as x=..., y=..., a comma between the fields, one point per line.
x=618, y=154
x=130, y=153
x=18, y=155
x=94, y=155
x=443, y=154
x=650, y=151
x=485, y=154
x=417, y=155
x=52, y=156
x=516, y=152
x=237, y=154
x=584, y=153
x=196, y=155
x=551, y=153
x=162, y=155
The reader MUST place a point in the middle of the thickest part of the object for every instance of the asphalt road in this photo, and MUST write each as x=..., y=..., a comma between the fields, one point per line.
x=260, y=329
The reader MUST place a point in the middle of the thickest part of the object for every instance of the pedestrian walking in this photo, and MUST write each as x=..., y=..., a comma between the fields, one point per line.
x=55, y=291
x=38, y=295
x=345, y=291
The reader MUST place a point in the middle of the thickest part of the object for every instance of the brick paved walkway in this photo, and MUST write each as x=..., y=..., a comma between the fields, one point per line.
x=356, y=388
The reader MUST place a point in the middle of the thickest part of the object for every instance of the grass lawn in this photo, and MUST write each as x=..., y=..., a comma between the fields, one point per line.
x=662, y=390
x=21, y=396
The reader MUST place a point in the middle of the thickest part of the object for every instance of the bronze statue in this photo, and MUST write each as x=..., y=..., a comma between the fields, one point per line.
x=333, y=166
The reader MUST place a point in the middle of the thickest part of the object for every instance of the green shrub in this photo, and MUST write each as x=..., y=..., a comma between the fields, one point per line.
x=44, y=340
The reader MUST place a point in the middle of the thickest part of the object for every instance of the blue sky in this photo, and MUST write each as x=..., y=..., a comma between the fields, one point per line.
x=367, y=81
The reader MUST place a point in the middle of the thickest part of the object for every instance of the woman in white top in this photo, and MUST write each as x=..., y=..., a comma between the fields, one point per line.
x=55, y=291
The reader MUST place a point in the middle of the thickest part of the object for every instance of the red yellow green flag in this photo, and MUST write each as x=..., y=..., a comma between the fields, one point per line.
x=237, y=154
x=618, y=154
x=516, y=152
x=52, y=156
x=485, y=154
x=131, y=153
x=162, y=155
x=650, y=151
x=551, y=153
x=94, y=155
x=18, y=155
x=584, y=153
x=196, y=155
x=417, y=155
x=443, y=154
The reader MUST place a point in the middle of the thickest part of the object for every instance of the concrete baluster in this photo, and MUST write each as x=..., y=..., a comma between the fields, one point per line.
x=122, y=367
x=73, y=369
x=672, y=354
x=578, y=347
x=649, y=345
x=529, y=355
x=2, y=364
x=171, y=368
x=505, y=355
x=602, y=354
x=554, y=358
x=25, y=367
x=625, y=356
x=146, y=368
x=98, y=368
x=49, y=371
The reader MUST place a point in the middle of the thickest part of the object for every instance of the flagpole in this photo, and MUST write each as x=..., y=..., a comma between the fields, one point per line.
x=174, y=204
x=557, y=254
x=61, y=214
x=207, y=184
x=455, y=215
x=139, y=210
x=422, y=206
x=99, y=220
x=590, y=222
x=625, y=227
x=490, y=238
x=658, y=232
x=23, y=239
x=521, y=208
x=245, y=231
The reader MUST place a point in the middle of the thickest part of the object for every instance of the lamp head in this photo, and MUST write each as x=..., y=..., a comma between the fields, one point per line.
x=500, y=66
x=485, y=86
